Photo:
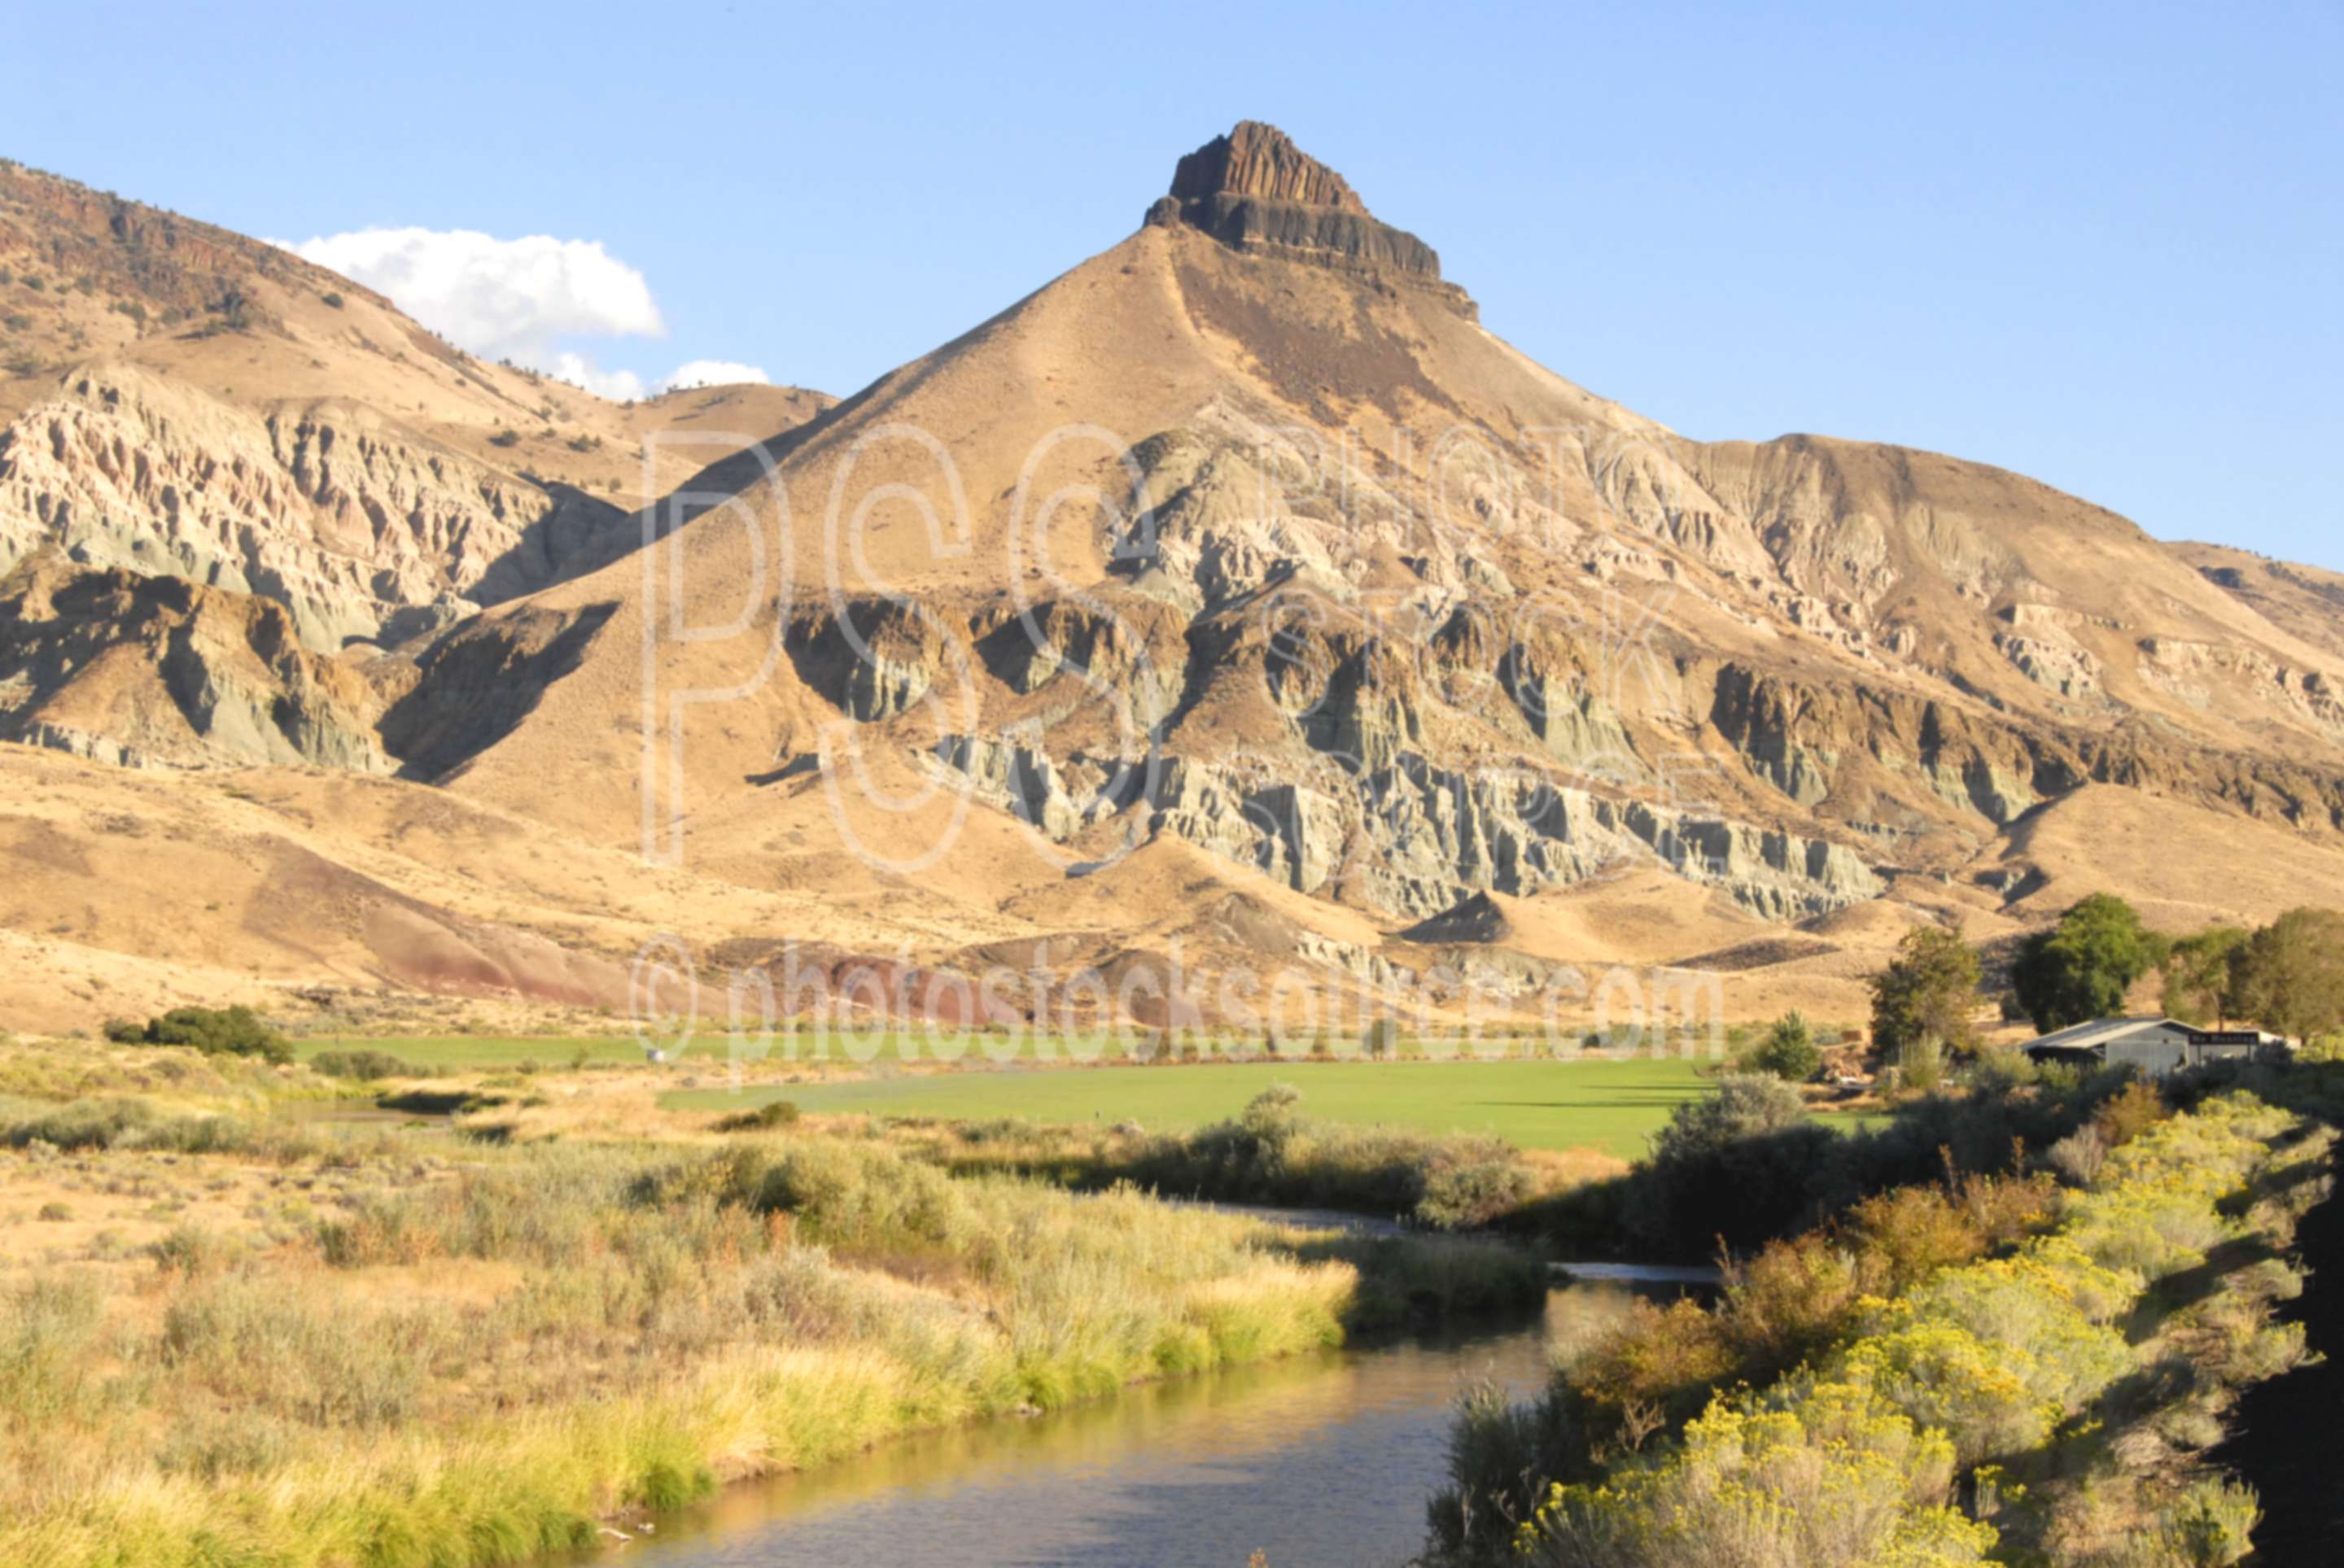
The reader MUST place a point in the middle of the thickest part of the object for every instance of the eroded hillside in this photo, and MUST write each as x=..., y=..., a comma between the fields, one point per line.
x=1237, y=594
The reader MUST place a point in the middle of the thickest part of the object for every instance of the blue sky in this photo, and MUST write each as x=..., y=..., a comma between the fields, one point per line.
x=2097, y=243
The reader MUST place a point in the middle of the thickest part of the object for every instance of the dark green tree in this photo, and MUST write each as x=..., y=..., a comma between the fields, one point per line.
x=2289, y=975
x=2199, y=975
x=1929, y=989
x=1789, y=1050
x=2080, y=969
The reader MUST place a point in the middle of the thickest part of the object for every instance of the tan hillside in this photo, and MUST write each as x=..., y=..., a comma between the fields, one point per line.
x=2308, y=602
x=1236, y=596
x=177, y=398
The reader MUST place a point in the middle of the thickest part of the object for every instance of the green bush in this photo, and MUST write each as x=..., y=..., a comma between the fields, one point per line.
x=1809, y=1475
x=1921, y=1064
x=1789, y=1050
x=2210, y=1526
x=764, y=1119
x=230, y=1030
x=364, y=1066
x=1739, y=1164
x=1468, y=1186
x=1271, y=1153
x=1999, y=1071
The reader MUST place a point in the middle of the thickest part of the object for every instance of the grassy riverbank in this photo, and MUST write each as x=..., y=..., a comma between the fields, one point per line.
x=227, y=1339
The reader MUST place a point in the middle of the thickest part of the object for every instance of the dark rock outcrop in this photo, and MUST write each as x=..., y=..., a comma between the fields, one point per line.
x=137, y=670
x=1473, y=919
x=1255, y=190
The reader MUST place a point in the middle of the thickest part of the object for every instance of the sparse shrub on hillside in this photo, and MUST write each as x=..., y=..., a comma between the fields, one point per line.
x=2078, y=1156
x=505, y=437
x=333, y=301
x=1810, y=1475
x=2211, y=1524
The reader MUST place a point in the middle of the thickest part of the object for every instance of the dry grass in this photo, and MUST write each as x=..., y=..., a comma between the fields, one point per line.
x=320, y=1345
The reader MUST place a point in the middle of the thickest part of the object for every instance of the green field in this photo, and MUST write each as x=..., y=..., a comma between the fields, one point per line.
x=463, y=1051
x=1537, y=1105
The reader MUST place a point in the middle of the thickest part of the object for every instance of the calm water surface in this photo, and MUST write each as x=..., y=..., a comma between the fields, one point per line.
x=1320, y=1460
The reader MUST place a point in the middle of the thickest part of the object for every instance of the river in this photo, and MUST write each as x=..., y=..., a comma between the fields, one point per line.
x=1319, y=1460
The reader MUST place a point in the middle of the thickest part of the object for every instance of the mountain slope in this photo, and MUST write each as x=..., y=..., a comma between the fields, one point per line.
x=1469, y=654
x=1236, y=597
x=178, y=398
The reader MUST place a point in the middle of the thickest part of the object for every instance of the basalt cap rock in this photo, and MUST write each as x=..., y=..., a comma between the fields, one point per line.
x=1260, y=160
x=1253, y=190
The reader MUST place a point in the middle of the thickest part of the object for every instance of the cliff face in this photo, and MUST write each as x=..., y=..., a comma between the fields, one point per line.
x=1333, y=597
x=1254, y=189
x=361, y=529
x=1262, y=162
x=153, y=670
x=175, y=399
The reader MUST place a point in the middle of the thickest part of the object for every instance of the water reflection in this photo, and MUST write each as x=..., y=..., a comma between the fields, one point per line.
x=1318, y=1459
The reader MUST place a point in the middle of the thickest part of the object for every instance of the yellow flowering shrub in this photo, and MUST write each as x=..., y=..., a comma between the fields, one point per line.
x=1959, y=1362
x=1811, y=1474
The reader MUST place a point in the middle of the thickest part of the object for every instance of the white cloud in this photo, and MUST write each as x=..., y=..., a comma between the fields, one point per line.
x=516, y=300
x=579, y=370
x=713, y=373
x=500, y=299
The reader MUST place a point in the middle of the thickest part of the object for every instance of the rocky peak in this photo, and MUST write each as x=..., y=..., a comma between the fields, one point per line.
x=1261, y=161
x=1253, y=190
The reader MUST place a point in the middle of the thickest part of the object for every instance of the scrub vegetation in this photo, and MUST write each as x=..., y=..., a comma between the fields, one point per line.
x=2022, y=1367
x=227, y=1336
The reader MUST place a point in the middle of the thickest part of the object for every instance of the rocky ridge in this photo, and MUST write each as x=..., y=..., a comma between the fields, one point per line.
x=1254, y=189
x=1807, y=680
x=362, y=530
